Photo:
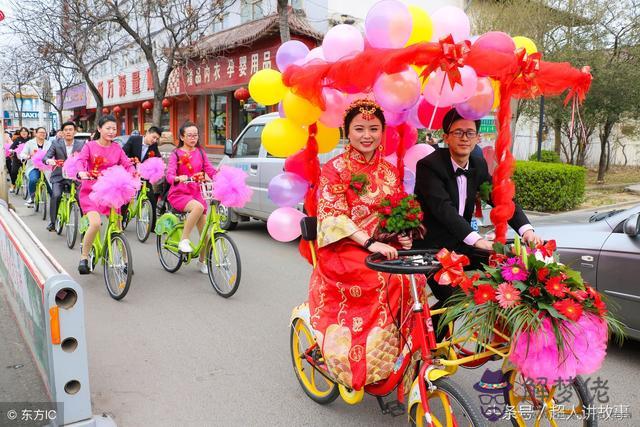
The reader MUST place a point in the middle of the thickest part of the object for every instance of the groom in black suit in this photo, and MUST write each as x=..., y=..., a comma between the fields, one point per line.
x=447, y=184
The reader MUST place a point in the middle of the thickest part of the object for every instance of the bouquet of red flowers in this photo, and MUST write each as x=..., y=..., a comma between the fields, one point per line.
x=558, y=323
x=399, y=214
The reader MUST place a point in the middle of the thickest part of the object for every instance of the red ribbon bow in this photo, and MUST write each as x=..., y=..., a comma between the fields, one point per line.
x=185, y=160
x=548, y=248
x=453, y=57
x=452, y=272
x=529, y=64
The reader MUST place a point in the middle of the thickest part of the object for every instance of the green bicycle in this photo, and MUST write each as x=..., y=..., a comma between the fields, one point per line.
x=68, y=215
x=222, y=256
x=113, y=250
x=22, y=182
x=40, y=195
x=142, y=210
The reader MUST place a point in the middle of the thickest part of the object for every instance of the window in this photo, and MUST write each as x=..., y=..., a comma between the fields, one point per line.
x=249, y=143
x=296, y=4
x=251, y=10
x=217, y=119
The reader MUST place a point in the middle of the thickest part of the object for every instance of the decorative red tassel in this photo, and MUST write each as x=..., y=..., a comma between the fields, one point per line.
x=312, y=174
x=478, y=213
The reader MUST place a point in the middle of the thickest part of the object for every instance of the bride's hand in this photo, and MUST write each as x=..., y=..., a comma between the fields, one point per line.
x=388, y=251
x=405, y=241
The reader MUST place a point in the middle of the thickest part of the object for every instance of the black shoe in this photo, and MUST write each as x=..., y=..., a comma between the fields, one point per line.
x=83, y=267
x=51, y=227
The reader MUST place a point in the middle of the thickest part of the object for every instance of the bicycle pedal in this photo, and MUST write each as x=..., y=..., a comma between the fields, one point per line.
x=393, y=408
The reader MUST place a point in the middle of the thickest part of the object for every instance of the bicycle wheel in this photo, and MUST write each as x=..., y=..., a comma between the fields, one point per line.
x=25, y=187
x=43, y=201
x=548, y=406
x=170, y=259
x=448, y=407
x=118, y=269
x=224, y=272
x=72, y=224
x=315, y=384
x=59, y=224
x=144, y=220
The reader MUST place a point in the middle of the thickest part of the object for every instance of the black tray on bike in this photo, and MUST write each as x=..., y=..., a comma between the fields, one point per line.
x=422, y=261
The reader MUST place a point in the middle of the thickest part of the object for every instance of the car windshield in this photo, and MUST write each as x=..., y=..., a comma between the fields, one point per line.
x=599, y=216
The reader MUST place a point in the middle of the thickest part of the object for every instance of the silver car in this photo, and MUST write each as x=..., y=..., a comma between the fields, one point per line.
x=606, y=250
x=248, y=154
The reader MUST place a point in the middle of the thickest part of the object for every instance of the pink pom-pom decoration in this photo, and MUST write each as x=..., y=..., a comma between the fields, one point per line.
x=229, y=187
x=537, y=356
x=37, y=161
x=71, y=167
x=114, y=188
x=7, y=149
x=19, y=149
x=152, y=169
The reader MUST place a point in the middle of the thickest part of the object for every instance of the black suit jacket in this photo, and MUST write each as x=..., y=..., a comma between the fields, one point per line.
x=133, y=148
x=437, y=191
x=58, y=151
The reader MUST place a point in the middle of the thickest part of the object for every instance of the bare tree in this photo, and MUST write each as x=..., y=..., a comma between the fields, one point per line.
x=163, y=29
x=18, y=78
x=283, y=20
x=70, y=30
x=60, y=79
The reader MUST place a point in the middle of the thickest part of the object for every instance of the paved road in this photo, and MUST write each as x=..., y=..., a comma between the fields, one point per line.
x=173, y=353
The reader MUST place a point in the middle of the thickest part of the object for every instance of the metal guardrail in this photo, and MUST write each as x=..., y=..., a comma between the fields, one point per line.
x=49, y=308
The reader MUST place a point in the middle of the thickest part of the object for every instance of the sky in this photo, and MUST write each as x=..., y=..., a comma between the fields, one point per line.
x=5, y=34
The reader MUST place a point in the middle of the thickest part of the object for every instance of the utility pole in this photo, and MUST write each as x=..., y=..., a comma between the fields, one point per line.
x=540, y=127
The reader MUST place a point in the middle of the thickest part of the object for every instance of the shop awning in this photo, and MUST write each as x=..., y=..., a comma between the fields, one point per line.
x=245, y=34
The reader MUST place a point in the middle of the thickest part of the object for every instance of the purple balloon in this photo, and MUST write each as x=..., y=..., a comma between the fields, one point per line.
x=480, y=104
x=281, y=110
x=409, y=181
x=287, y=189
x=386, y=24
x=394, y=119
x=290, y=52
x=340, y=41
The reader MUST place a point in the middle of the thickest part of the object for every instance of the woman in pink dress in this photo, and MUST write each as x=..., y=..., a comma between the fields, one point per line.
x=95, y=157
x=189, y=162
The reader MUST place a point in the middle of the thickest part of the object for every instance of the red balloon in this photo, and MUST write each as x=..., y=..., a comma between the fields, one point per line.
x=490, y=156
x=425, y=113
x=392, y=138
x=1, y=15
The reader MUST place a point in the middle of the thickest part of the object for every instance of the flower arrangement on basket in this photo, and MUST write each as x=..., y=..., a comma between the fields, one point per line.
x=559, y=324
x=399, y=214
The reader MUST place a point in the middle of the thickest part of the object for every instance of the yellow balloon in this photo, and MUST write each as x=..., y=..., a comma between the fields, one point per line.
x=422, y=28
x=299, y=109
x=526, y=43
x=327, y=138
x=496, y=94
x=266, y=87
x=419, y=71
x=283, y=137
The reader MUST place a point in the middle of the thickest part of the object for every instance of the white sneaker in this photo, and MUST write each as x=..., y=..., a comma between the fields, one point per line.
x=185, y=246
x=202, y=266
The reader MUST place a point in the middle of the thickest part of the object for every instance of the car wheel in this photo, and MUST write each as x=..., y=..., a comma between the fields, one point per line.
x=225, y=218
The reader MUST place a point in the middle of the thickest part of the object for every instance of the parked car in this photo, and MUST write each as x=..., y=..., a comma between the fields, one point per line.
x=82, y=136
x=606, y=250
x=248, y=154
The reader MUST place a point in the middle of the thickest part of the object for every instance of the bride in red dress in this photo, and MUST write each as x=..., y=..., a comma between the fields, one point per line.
x=355, y=311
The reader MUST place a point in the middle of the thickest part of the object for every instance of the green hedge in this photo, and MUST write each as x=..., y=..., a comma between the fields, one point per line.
x=546, y=156
x=549, y=187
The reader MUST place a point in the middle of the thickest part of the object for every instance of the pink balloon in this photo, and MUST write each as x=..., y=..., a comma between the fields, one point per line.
x=386, y=24
x=340, y=41
x=415, y=154
x=451, y=20
x=496, y=40
x=284, y=224
x=281, y=110
x=441, y=95
x=392, y=158
x=393, y=119
x=425, y=113
x=336, y=103
x=479, y=105
x=314, y=54
x=397, y=92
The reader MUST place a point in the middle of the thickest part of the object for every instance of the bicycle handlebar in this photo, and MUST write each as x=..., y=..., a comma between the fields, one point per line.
x=421, y=261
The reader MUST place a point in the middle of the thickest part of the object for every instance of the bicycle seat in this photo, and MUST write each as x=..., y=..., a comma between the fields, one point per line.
x=422, y=261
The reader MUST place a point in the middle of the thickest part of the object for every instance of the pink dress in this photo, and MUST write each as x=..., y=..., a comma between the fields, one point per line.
x=182, y=162
x=95, y=158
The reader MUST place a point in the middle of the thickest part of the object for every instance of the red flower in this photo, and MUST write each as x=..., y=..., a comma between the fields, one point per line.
x=357, y=185
x=420, y=216
x=569, y=308
x=534, y=291
x=387, y=210
x=548, y=248
x=597, y=300
x=383, y=223
x=543, y=273
x=483, y=294
x=151, y=154
x=579, y=295
x=555, y=287
x=411, y=217
x=496, y=259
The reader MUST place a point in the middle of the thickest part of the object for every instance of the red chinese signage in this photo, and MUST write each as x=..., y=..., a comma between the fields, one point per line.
x=122, y=85
x=110, y=88
x=101, y=87
x=135, y=82
x=149, y=80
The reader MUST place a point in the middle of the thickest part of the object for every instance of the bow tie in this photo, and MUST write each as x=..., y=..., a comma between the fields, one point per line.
x=461, y=171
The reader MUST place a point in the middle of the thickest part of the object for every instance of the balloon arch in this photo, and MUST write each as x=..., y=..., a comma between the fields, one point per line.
x=416, y=73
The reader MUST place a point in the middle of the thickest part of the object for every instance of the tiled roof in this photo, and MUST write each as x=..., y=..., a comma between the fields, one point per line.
x=247, y=33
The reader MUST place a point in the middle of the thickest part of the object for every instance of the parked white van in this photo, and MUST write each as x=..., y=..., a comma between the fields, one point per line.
x=248, y=154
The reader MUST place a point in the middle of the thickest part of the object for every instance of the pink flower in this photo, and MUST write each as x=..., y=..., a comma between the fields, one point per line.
x=507, y=296
x=514, y=270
